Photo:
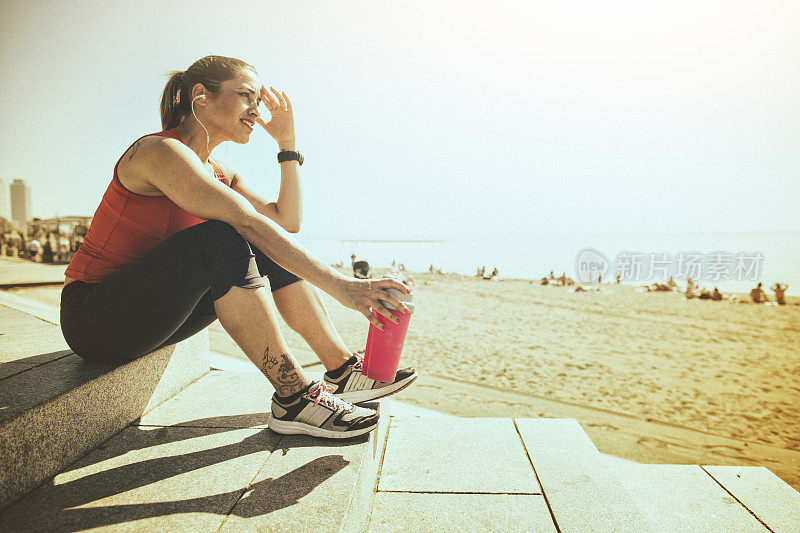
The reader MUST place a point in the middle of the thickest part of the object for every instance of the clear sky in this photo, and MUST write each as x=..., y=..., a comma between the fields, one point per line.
x=423, y=118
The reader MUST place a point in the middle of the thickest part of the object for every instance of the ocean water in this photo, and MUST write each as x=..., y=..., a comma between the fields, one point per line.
x=734, y=262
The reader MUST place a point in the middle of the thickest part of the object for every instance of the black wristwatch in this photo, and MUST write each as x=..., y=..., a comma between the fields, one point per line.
x=290, y=155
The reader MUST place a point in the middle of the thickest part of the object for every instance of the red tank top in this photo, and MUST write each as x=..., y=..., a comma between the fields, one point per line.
x=126, y=225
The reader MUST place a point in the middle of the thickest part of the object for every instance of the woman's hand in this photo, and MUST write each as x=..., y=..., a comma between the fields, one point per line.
x=281, y=124
x=361, y=294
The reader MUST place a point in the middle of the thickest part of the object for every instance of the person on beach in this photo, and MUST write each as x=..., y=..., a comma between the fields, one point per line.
x=757, y=295
x=780, y=291
x=716, y=295
x=361, y=270
x=180, y=240
x=34, y=247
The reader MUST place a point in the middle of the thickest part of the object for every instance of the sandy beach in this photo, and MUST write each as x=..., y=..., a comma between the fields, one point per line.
x=652, y=377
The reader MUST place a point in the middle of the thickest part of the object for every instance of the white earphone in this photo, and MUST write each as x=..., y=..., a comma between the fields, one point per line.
x=203, y=96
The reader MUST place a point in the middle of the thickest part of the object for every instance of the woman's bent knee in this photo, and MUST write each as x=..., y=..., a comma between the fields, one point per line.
x=218, y=232
x=228, y=258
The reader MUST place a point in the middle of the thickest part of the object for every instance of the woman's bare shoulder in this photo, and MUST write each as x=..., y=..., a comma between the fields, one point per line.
x=146, y=146
x=135, y=166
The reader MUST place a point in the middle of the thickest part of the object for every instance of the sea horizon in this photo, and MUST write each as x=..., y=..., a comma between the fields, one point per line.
x=770, y=255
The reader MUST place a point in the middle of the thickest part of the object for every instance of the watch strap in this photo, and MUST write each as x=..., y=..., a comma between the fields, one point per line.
x=290, y=155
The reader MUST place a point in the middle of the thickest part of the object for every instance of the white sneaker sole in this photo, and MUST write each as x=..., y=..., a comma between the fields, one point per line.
x=359, y=396
x=298, y=428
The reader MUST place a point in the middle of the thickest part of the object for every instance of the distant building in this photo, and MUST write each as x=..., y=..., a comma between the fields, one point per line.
x=5, y=203
x=20, y=203
x=61, y=225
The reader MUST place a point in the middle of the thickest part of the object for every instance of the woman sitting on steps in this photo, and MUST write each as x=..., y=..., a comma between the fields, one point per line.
x=180, y=240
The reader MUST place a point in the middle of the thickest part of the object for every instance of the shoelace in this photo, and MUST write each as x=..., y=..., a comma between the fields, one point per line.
x=324, y=393
x=358, y=365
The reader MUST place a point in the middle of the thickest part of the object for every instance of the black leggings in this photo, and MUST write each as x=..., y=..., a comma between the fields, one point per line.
x=164, y=296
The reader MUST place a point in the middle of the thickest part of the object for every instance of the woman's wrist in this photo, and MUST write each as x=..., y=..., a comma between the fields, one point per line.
x=335, y=282
x=288, y=144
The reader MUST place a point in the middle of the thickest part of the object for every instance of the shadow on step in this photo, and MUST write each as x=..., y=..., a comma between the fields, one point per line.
x=197, y=467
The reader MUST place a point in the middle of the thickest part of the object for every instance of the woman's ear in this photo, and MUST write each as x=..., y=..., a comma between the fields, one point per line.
x=199, y=93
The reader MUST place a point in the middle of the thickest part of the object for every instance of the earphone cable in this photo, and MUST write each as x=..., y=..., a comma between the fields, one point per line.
x=198, y=120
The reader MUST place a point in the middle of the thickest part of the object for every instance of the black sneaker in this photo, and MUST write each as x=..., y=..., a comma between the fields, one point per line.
x=353, y=386
x=321, y=414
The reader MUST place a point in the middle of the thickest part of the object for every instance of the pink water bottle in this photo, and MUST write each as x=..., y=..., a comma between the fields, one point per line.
x=382, y=355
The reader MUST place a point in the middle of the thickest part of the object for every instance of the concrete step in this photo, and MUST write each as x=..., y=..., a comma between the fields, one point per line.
x=54, y=407
x=457, y=474
x=204, y=460
x=582, y=491
x=543, y=474
x=497, y=475
x=694, y=498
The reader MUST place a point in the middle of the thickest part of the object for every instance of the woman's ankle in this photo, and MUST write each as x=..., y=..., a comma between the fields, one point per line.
x=332, y=361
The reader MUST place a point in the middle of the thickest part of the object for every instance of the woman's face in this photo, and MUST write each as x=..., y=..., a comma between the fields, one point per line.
x=233, y=110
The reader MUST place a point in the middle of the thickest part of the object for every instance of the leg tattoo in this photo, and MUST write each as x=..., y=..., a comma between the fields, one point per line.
x=287, y=381
x=268, y=362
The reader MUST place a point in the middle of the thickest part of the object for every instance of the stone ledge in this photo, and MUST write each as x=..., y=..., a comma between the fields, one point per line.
x=209, y=470
x=53, y=413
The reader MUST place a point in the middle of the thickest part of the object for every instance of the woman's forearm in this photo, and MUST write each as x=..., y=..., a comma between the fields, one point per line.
x=290, y=196
x=288, y=210
x=278, y=245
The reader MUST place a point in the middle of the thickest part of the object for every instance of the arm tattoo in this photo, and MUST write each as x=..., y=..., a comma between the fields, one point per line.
x=133, y=151
x=286, y=379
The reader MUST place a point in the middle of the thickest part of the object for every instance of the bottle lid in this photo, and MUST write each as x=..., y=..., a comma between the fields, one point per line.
x=407, y=299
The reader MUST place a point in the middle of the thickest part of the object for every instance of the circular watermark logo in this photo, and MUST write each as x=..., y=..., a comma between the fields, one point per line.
x=590, y=265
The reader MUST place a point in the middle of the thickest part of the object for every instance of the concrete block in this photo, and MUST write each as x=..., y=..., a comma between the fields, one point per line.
x=425, y=512
x=32, y=361
x=23, y=336
x=356, y=517
x=28, y=344
x=148, y=479
x=310, y=484
x=56, y=412
x=766, y=495
x=316, y=482
x=12, y=319
x=684, y=498
x=582, y=491
x=8, y=369
x=48, y=313
x=220, y=399
x=456, y=455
